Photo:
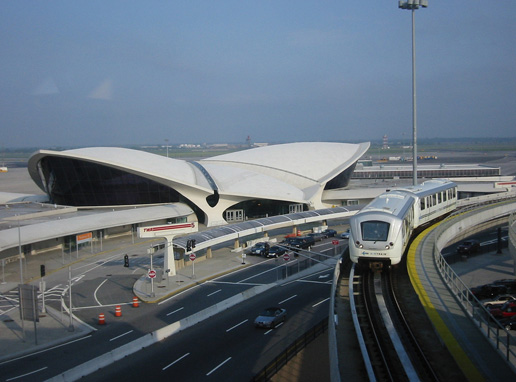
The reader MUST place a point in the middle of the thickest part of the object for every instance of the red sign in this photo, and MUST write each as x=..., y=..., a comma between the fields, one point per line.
x=152, y=273
x=335, y=242
x=192, y=256
x=169, y=227
x=286, y=257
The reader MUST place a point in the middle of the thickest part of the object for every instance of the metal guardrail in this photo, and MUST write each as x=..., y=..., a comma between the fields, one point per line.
x=491, y=328
x=299, y=344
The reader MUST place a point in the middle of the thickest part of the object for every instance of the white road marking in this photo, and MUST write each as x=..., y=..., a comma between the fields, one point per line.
x=121, y=335
x=96, y=290
x=218, y=366
x=320, y=302
x=45, y=350
x=237, y=325
x=24, y=375
x=177, y=360
x=290, y=298
x=217, y=291
x=175, y=311
x=314, y=282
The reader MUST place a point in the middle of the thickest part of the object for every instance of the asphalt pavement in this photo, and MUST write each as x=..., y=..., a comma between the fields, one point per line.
x=55, y=327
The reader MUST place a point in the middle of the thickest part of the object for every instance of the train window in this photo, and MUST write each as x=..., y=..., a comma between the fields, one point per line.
x=434, y=200
x=445, y=196
x=422, y=204
x=439, y=198
x=374, y=230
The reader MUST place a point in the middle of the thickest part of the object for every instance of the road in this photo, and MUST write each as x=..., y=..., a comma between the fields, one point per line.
x=228, y=346
x=101, y=284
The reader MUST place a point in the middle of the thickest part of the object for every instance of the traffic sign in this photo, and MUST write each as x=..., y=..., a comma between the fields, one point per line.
x=192, y=256
x=152, y=273
x=286, y=257
x=335, y=242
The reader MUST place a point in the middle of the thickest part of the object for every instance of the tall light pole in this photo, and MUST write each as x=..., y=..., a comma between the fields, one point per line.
x=413, y=5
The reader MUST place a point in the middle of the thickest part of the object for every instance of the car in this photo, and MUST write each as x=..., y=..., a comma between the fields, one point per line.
x=328, y=232
x=508, y=309
x=488, y=291
x=498, y=301
x=345, y=234
x=509, y=323
x=270, y=318
x=316, y=236
x=276, y=251
x=510, y=284
x=468, y=247
x=303, y=242
x=260, y=249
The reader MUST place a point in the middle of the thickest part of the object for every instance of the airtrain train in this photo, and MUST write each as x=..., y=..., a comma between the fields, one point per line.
x=380, y=232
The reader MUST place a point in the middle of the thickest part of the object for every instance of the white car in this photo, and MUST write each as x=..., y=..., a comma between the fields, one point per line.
x=498, y=301
x=345, y=234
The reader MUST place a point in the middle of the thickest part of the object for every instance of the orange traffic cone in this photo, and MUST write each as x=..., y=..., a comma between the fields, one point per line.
x=102, y=320
x=118, y=311
x=135, y=302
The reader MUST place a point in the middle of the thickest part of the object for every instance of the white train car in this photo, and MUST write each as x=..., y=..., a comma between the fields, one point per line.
x=380, y=232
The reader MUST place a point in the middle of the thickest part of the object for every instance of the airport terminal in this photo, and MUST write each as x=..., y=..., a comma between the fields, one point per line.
x=59, y=221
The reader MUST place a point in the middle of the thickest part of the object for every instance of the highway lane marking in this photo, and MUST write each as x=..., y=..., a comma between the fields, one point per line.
x=176, y=361
x=211, y=294
x=180, y=293
x=259, y=274
x=290, y=298
x=218, y=366
x=320, y=302
x=96, y=290
x=24, y=375
x=237, y=325
x=102, y=306
x=272, y=329
x=44, y=350
x=314, y=282
x=233, y=283
x=175, y=311
x=121, y=335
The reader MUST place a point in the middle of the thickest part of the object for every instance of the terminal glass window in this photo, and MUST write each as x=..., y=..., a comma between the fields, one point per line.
x=375, y=230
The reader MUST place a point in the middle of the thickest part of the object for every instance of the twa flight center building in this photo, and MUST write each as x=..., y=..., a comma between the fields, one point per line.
x=259, y=182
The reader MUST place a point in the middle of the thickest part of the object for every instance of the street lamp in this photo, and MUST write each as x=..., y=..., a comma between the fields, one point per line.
x=413, y=5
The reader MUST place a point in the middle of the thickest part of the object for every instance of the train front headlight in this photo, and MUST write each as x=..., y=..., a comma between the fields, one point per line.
x=358, y=244
x=387, y=247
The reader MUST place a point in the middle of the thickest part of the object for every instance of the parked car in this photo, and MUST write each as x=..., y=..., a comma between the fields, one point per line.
x=345, y=234
x=498, y=301
x=260, y=249
x=468, y=247
x=510, y=284
x=270, y=318
x=509, y=323
x=508, y=309
x=328, y=232
x=316, y=236
x=303, y=242
x=276, y=251
x=488, y=291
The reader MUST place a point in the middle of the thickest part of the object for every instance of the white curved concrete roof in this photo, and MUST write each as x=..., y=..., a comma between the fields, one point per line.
x=296, y=172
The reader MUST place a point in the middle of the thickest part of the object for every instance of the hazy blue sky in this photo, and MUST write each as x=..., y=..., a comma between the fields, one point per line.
x=96, y=73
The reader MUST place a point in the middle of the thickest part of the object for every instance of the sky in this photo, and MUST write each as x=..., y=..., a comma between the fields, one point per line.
x=119, y=73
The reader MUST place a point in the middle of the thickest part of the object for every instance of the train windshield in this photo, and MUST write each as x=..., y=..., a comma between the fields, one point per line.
x=375, y=230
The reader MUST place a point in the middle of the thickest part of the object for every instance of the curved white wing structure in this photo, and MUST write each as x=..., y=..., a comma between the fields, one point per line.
x=295, y=173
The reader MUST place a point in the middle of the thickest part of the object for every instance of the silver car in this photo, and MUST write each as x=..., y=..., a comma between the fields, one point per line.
x=270, y=318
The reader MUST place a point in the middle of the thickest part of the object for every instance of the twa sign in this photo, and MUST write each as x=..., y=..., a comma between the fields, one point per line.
x=167, y=230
